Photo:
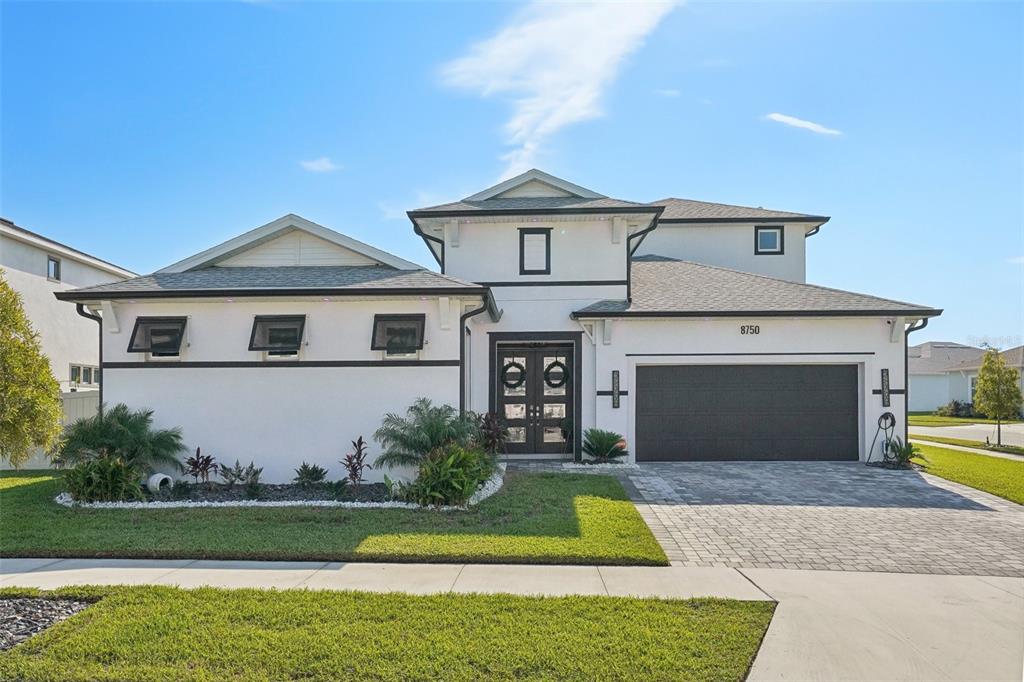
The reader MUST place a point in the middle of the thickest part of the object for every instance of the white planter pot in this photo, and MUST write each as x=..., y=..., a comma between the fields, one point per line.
x=158, y=481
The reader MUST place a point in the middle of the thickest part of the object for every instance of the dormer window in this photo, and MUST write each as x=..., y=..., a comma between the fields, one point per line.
x=398, y=335
x=277, y=335
x=158, y=336
x=535, y=251
x=768, y=241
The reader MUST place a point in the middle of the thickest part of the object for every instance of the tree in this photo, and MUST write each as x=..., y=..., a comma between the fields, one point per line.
x=997, y=393
x=30, y=409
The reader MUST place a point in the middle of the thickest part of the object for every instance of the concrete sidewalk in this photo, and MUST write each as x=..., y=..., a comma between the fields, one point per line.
x=923, y=440
x=829, y=625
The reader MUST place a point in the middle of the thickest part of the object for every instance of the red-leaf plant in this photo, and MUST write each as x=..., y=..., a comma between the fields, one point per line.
x=355, y=462
x=200, y=466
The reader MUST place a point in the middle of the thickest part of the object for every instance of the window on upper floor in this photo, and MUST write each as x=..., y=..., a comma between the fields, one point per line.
x=158, y=336
x=277, y=335
x=53, y=268
x=768, y=240
x=398, y=335
x=535, y=251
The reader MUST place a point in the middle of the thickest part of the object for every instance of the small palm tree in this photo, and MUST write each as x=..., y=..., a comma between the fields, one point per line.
x=408, y=439
x=125, y=433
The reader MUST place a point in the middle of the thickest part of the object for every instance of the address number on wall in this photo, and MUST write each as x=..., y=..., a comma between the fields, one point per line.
x=750, y=329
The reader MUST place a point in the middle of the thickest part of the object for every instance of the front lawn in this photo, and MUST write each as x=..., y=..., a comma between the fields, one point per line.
x=996, y=475
x=963, y=442
x=162, y=633
x=535, y=518
x=928, y=419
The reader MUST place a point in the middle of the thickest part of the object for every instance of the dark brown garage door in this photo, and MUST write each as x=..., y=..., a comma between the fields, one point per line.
x=746, y=412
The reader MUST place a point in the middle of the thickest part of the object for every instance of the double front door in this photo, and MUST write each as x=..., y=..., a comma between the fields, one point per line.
x=534, y=390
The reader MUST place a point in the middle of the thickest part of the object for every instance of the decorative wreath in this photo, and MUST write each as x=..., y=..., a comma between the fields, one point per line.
x=505, y=372
x=557, y=364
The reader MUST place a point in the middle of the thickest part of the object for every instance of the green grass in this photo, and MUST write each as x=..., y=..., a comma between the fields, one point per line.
x=168, y=634
x=1002, y=477
x=535, y=518
x=962, y=442
x=929, y=419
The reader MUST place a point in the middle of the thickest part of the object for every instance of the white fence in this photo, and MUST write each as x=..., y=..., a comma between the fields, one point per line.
x=77, y=405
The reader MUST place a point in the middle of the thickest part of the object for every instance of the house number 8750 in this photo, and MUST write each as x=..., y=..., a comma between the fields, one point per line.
x=750, y=329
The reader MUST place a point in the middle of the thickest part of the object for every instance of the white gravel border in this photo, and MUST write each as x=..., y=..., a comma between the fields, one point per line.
x=576, y=466
x=492, y=486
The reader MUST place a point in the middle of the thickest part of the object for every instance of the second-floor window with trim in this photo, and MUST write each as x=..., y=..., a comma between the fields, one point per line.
x=158, y=336
x=53, y=268
x=279, y=335
x=768, y=240
x=398, y=335
x=535, y=251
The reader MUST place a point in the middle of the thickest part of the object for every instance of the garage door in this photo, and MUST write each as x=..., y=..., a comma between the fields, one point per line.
x=746, y=412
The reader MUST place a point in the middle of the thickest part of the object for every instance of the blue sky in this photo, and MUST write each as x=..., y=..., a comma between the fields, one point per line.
x=145, y=132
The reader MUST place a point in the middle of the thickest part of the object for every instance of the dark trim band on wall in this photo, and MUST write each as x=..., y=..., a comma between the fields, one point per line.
x=609, y=393
x=660, y=355
x=215, y=364
x=893, y=391
x=581, y=283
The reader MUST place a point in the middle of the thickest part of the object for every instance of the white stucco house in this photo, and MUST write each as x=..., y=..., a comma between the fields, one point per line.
x=935, y=377
x=36, y=267
x=685, y=326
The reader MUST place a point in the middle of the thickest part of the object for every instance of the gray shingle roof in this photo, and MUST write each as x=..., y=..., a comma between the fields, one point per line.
x=1014, y=357
x=533, y=204
x=690, y=210
x=285, y=280
x=668, y=287
x=935, y=357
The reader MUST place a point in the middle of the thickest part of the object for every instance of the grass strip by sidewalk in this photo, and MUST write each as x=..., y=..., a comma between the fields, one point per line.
x=160, y=633
x=995, y=475
x=534, y=519
x=928, y=419
x=963, y=442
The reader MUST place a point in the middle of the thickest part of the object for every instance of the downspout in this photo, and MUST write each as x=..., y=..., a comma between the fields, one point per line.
x=80, y=307
x=426, y=240
x=463, y=319
x=631, y=249
x=920, y=324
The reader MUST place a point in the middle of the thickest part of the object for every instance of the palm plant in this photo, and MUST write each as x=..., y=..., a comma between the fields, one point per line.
x=408, y=439
x=603, y=446
x=124, y=433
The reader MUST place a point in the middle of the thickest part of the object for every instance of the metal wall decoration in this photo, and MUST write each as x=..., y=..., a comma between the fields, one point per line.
x=885, y=388
x=615, y=388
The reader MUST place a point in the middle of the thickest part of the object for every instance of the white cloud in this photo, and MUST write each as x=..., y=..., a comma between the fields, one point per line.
x=668, y=92
x=556, y=61
x=321, y=165
x=1016, y=260
x=801, y=123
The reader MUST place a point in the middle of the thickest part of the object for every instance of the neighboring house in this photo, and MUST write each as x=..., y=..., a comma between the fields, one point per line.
x=557, y=307
x=37, y=267
x=932, y=382
x=966, y=372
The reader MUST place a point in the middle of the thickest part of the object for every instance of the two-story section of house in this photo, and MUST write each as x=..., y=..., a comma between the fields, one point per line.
x=36, y=267
x=684, y=325
x=687, y=327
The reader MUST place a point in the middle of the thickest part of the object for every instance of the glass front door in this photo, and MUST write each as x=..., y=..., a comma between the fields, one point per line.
x=535, y=396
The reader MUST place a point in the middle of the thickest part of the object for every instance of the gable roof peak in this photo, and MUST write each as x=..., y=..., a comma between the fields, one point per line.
x=532, y=176
x=275, y=228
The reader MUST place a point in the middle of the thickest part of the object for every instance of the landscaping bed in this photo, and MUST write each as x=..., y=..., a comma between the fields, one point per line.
x=162, y=633
x=22, y=617
x=289, y=492
x=995, y=475
x=535, y=518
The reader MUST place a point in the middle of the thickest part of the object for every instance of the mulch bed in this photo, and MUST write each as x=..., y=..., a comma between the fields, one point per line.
x=288, y=492
x=22, y=617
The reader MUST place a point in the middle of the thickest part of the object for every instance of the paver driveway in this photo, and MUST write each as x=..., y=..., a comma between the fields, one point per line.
x=841, y=516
